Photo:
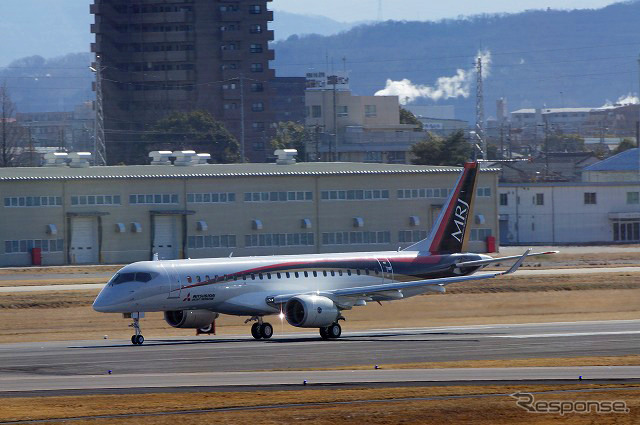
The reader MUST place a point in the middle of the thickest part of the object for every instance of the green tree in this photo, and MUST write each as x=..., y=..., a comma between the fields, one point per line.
x=291, y=135
x=407, y=117
x=435, y=150
x=196, y=130
x=9, y=130
x=626, y=144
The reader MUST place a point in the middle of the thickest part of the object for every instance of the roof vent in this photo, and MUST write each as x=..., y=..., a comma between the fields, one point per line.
x=189, y=158
x=55, y=159
x=286, y=156
x=79, y=159
x=160, y=157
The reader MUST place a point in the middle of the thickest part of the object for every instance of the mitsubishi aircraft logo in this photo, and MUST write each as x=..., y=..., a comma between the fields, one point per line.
x=187, y=298
x=460, y=219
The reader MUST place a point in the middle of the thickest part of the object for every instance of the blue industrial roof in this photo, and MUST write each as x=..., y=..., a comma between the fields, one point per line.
x=628, y=160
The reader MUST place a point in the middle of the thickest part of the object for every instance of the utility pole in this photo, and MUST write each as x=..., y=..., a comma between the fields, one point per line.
x=30, y=147
x=480, y=109
x=333, y=80
x=99, y=147
x=242, y=128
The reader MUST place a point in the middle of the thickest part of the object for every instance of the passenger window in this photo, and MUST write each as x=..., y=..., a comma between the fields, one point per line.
x=339, y=272
x=315, y=273
x=358, y=272
x=288, y=275
x=244, y=277
x=207, y=278
x=306, y=274
x=297, y=275
x=268, y=275
x=324, y=273
x=279, y=275
x=333, y=273
x=215, y=278
x=348, y=272
x=235, y=277
x=253, y=276
x=198, y=279
x=377, y=272
x=366, y=271
x=260, y=275
x=189, y=279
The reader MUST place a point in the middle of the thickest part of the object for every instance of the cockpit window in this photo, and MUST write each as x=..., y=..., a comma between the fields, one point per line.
x=143, y=277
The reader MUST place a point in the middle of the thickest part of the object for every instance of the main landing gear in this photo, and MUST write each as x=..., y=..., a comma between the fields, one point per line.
x=261, y=329
x=331, y=332
x=136, y=339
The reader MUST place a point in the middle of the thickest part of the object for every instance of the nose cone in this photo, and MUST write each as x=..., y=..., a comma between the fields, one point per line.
x=103, y=301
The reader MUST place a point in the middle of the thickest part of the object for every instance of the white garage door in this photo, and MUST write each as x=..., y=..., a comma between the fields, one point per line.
x=165, y=240
x=84, y=240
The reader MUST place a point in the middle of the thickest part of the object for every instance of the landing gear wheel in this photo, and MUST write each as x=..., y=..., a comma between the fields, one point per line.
x=137, y=339
x=266, y=330
x=334, y=331
x=255, y=331
x=324, y=333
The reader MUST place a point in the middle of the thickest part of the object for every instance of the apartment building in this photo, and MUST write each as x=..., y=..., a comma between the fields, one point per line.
x=160, y=56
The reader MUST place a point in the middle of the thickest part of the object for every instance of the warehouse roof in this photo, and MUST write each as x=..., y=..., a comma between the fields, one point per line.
x=628, y=160
x=218, y=170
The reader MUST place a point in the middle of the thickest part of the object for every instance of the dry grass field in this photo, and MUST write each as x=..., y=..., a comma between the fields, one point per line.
x=448, y=405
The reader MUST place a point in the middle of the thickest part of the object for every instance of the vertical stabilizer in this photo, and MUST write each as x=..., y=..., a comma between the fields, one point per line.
x=449, y=233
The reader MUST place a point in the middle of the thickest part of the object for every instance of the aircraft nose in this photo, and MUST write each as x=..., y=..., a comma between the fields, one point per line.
x=104, y=302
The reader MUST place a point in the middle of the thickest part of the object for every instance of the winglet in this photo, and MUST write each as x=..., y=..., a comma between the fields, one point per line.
x=518, y=263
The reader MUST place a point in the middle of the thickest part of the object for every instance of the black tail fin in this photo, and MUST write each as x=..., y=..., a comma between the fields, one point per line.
x=449, y=233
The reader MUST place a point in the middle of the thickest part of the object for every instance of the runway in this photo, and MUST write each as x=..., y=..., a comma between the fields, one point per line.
x=233, y=361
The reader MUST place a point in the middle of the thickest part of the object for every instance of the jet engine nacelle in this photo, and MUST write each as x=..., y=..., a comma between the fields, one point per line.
x=191, y=319
x=311, y=311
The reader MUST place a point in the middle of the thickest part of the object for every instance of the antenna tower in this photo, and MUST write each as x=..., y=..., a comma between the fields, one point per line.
x=480, y=109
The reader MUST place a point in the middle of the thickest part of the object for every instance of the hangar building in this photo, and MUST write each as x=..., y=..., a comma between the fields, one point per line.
x=122, y=214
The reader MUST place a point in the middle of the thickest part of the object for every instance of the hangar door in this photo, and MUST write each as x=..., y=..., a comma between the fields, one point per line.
x=165, y=236
x=84, y=240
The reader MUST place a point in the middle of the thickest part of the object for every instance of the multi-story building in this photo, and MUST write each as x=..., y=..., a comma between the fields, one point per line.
x=355, y=128
x=159, y=56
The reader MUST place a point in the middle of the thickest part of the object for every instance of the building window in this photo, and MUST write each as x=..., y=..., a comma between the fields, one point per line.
x=164, y=198
x=257, y=87
x=633, y=198
x=626, y=231
x=255, y=48
x=279, y=239
x=539, y=199
x=504, y=199
x=316, y=111
x=411, y=236
x=211, y=241
x=255, y=29
x=278, y=196
x=423, y=193
x=25, y=246
x=370, y=111
x=342, y=111
x=480, y=234
x=590, y=198
x=255, y=9
x=355, y=195
x=356, y=238
x=211, y=198
x=484, y=192
x=258, y=126
x=257, y=67
x=257, y=107
x=33, y=201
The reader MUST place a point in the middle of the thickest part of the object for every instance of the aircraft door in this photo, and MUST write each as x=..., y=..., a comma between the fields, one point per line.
x=175, y=285
x=387, y=270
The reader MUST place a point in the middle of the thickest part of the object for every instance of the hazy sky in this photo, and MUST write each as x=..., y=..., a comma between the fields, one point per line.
x=366, y=10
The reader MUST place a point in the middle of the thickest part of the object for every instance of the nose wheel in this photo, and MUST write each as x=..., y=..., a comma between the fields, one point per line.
x=136, y=339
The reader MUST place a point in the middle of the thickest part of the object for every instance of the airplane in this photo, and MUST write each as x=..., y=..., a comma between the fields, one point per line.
x=309, y=291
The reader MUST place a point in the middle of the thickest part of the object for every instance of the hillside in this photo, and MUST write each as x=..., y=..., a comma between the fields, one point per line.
x=570, y=58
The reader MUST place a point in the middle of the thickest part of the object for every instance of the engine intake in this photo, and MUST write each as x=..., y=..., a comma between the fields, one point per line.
x=191, y=319
x=311, y=311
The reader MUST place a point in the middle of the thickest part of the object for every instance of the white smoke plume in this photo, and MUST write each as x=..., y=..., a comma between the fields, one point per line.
x=628, y=99
x=458, y=85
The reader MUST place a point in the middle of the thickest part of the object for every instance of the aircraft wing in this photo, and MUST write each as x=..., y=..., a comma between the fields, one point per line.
x=367, y=291
x=500, y=259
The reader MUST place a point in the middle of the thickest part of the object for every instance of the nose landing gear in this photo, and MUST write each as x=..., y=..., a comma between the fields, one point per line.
x=137, y=338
